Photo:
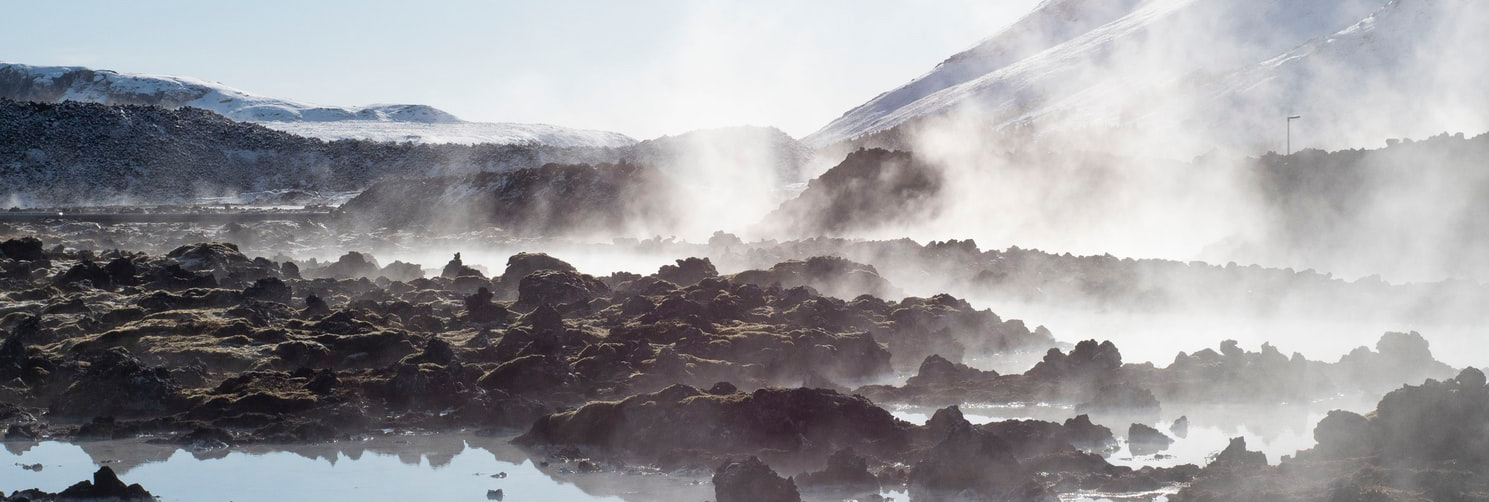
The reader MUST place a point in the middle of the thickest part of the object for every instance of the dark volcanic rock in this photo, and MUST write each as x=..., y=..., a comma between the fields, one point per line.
x=270, y=289
x=479, y=308
x=351, y=265
x=1180, y=427
x=530, y=374
x=401, y=271
x=521, y=264
x=684, y=421
x=216, y=257
x=830, y=275
x=688, y=271
x=549, y=200
x=967, y=465
x=1145, y=440
x=456, y=268
x=115, y=383
x=558, y=287
x=22, y=249
x=106, y=486
x=870, y=189
x=750, y=480
x=1423, y=442
x=846, y=476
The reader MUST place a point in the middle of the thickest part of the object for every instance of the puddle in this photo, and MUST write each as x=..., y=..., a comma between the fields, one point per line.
x=439, y=467
x=443, y=467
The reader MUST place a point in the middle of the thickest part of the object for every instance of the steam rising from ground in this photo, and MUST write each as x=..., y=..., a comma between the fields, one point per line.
x=1094, y=156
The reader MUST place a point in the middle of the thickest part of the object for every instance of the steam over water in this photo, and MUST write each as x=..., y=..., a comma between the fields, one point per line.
x=1069, y=263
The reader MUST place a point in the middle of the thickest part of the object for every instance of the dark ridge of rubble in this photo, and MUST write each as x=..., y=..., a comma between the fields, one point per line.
x=61, y=158
x=1423, y=442
x=554, y=199
x=870, y=188
x=1093, y=378
x=204, y=344
x=206, y=337
x=684, y=421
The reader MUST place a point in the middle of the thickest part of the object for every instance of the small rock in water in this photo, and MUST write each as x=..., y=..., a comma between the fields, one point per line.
x=32, y=467
x=494, y=494
x=1180, y=427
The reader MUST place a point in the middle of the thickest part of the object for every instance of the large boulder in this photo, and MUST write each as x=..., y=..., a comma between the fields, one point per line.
x=558, y=287
x=216, y=257
x=967, y=465
x=846, y=476
x=750, y=480
x=352, y=265
x=688, y=271
x=22, y=249
x=521, y=264
x=1145, y=440
x=456, y=269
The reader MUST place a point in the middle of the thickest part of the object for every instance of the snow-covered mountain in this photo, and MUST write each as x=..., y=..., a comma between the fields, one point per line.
x=1221, y=71
x=398, y=122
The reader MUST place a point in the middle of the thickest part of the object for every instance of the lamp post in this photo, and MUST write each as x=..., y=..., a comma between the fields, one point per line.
x=1290, y=119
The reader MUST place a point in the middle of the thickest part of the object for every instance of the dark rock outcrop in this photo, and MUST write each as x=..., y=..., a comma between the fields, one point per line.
x=750, y=480
x=1145, y=440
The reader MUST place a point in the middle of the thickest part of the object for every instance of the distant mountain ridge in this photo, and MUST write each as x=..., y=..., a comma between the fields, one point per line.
x=385, y=122
x=94, y=154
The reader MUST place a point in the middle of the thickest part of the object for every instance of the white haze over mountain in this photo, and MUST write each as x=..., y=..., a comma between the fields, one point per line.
x=388, y=122
x=1182, y=77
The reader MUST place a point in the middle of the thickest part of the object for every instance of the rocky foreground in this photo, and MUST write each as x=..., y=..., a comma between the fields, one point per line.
x=684, y=369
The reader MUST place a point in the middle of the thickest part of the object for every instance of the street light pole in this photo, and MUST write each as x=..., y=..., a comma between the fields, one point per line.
x=1290, y=119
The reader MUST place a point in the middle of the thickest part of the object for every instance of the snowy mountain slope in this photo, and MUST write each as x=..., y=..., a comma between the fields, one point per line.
x=1052, y=22
x=463, y=133
x=1414, y=68
x=1154, y=46
x=396, y=122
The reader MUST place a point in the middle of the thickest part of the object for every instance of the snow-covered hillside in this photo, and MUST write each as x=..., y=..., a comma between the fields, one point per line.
x=463, y=133
x=1227, y=67
x=397, y=122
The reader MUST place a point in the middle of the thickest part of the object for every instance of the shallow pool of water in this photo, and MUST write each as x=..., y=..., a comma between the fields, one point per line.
x=444, y=467
x=439, y=467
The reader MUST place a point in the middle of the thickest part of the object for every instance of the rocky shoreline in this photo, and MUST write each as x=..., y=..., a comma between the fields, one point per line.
x=684, y=370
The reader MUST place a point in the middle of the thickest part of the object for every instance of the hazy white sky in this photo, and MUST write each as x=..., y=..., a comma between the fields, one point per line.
x=641, y=67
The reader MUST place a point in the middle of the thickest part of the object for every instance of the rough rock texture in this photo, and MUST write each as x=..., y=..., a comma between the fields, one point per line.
x=105, y=486
x=1423, y=442
x=680, y=419
x=547, y=200
x=869, y=189
x=846, y=476
x=1145, y=440
x=750, y=480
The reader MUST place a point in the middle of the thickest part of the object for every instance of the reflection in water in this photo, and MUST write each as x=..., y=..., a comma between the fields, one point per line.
x=432, y=467
x=1275, y=430
x=460, y=466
